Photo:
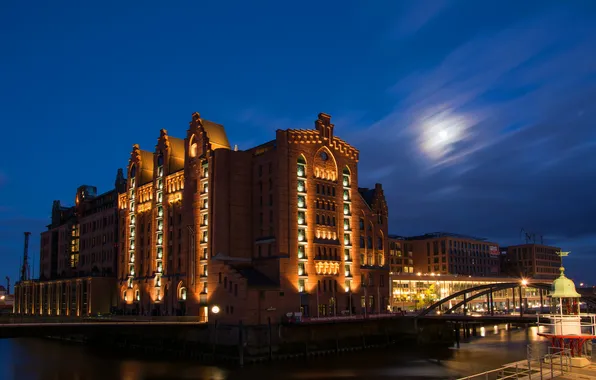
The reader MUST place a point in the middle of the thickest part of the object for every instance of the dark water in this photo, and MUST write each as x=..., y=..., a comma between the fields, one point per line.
x=35, y=359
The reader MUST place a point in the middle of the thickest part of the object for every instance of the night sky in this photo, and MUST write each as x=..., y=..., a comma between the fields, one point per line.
x=476, y=116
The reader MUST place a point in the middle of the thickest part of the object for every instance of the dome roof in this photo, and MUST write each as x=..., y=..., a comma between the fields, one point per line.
x=563, y=287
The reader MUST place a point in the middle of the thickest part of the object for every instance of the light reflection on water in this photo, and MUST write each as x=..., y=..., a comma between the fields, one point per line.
x=29, y=359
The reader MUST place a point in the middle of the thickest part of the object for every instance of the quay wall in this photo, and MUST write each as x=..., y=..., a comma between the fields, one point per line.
x=240, y=343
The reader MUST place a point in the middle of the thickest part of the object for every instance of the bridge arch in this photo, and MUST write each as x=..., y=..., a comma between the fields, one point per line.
x=482, y=291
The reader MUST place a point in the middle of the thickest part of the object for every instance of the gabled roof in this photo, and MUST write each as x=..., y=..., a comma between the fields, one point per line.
x=216, y=133
x=176, y=154
x=146, y=174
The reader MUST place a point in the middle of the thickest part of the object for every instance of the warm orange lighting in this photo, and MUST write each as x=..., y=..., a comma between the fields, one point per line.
x=524, y=282
x=176, y=197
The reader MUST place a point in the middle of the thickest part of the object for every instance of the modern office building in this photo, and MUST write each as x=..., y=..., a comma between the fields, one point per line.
x=401, y=256
x=78, y=252
x=448, y=253
x=280, y=228
x=531, y=261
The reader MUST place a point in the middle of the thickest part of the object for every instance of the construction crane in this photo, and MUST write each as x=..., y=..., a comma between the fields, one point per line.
x=25, y=267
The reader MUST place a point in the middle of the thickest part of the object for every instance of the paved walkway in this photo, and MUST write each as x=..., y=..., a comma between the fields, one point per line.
x=586, y=373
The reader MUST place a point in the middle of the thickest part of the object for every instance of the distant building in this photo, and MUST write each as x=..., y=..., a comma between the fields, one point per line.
x=448, y=253
x=6, y=301
x=401, y=256
x=531, y=261
x=279, y=228
x=78, y=257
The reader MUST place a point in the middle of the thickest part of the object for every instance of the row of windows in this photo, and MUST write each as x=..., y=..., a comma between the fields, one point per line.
x=325, y=220
x=327, y=253
x=102, y=223
x=325, y=190
x=369, y=242
x=324, y=205
x=97, y=240
x=229, y=285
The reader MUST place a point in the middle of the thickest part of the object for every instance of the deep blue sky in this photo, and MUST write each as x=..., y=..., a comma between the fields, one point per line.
x=477, y=116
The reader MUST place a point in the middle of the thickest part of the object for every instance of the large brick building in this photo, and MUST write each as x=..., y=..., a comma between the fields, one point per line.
x=531, y=261
x=279, y=228
x=77, y=266
x=448, y=253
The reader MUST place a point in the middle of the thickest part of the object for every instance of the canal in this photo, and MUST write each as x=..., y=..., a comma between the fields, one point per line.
x=36, y=359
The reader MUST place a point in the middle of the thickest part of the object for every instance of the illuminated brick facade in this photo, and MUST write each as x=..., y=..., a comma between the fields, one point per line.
x=77, y=266
x=279, y=228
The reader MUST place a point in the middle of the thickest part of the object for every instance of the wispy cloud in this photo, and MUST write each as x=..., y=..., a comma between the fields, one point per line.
x=496, y=136
x=414, y=15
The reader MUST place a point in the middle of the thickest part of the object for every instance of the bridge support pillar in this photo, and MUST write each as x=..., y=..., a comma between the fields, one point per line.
x=492, y=302
x=540, y=290
x=474, y=332
x=521, y=306
x=457, y=334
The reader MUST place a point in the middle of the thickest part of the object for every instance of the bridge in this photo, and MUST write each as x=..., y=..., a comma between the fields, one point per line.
x=487, y=290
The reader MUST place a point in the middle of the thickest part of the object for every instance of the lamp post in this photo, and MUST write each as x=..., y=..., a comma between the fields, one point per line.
x=215, y=310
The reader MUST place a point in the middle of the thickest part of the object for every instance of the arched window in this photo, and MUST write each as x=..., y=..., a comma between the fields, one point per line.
x=192, y=147
x=160, y=159
x=346, y=177
x=301, y=170
x=137, y=295
x=133, y=171
x=379, y=242
x=361, y=242
x=370, y=242
x=182, y=294
x=361, y=224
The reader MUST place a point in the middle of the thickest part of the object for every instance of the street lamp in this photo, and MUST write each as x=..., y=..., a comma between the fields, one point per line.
x=215, y=309
x=524, y=282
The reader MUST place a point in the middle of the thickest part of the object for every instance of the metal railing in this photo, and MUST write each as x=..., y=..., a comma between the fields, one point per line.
x=555, y=363
x=587, y=322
